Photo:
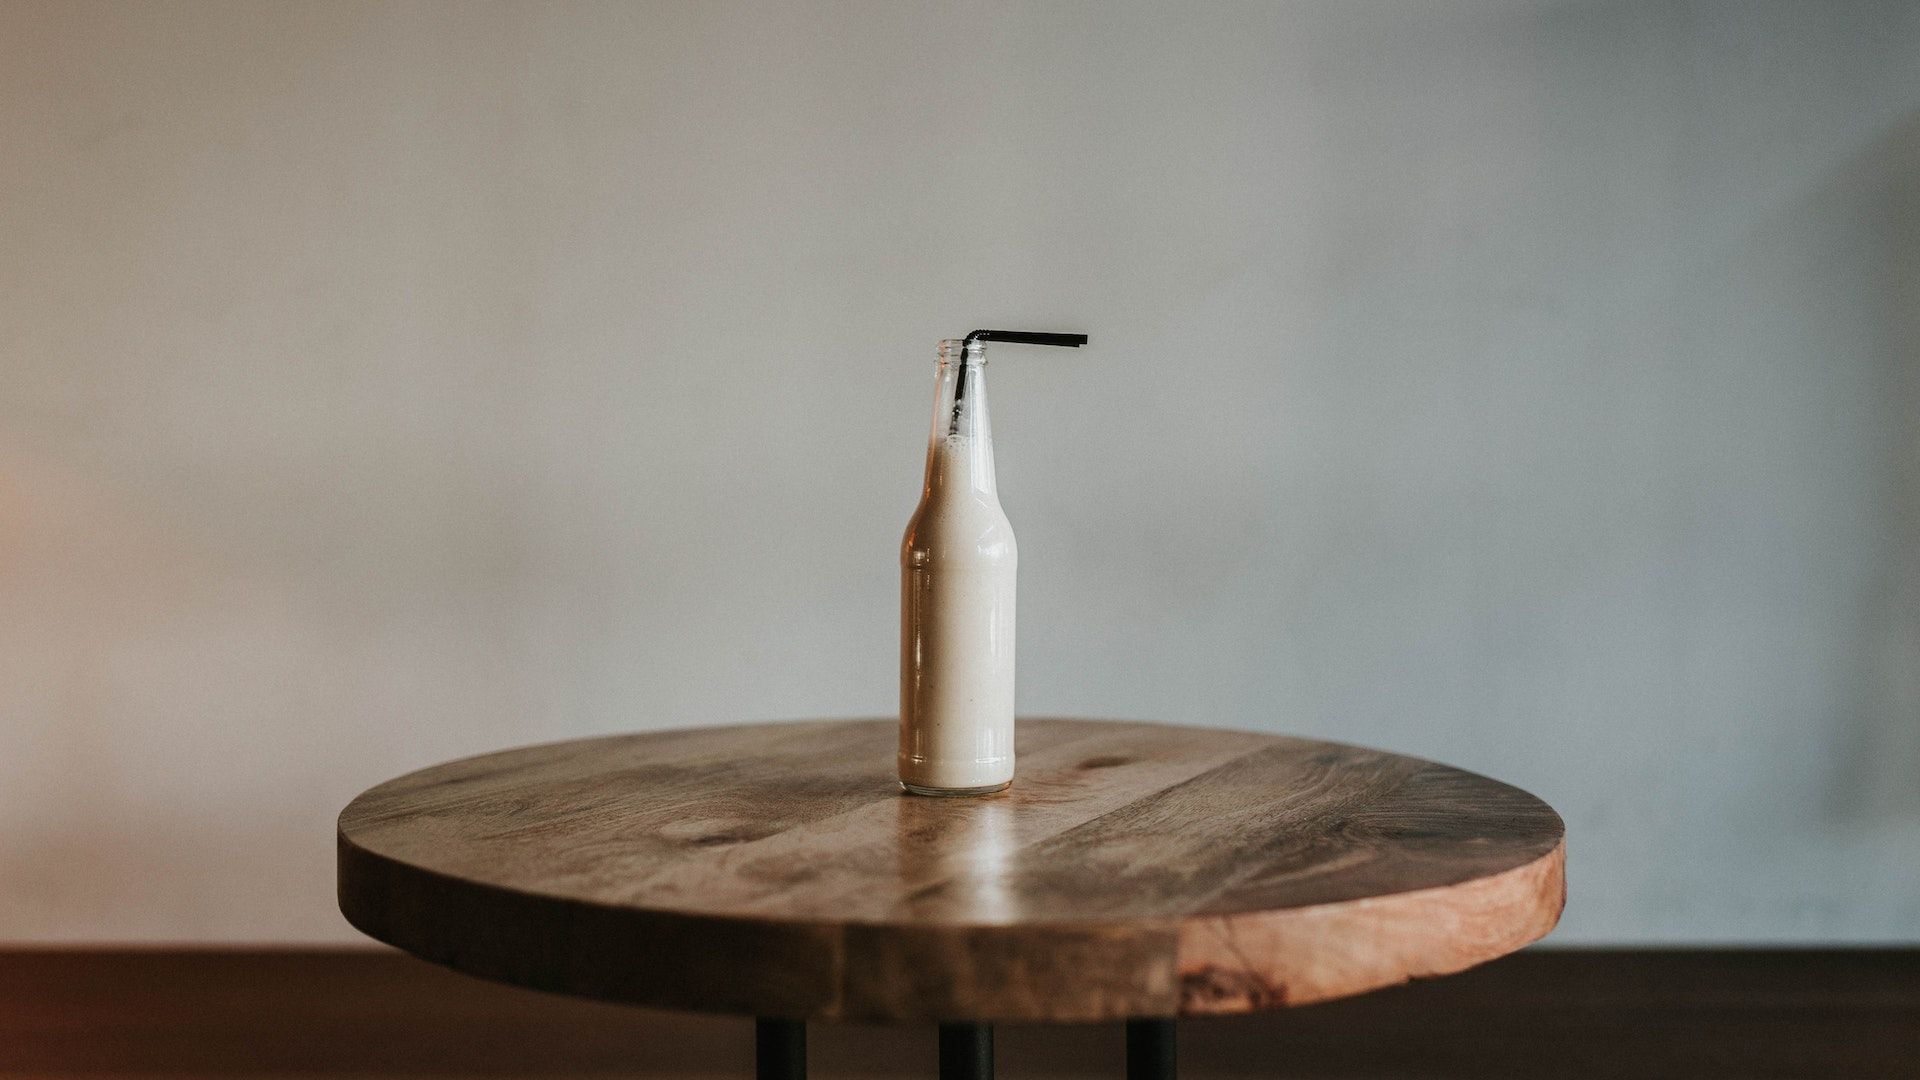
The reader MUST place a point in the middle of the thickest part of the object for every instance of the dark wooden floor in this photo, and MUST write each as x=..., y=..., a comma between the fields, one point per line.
x=1539, y=1015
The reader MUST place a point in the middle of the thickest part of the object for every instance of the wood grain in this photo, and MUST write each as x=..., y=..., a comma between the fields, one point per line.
x=775, y=869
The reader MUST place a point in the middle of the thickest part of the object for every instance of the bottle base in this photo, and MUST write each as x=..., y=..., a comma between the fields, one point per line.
x=955, y=792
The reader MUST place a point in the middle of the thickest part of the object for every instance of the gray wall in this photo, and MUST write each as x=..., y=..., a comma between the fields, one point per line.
x=1527, y=385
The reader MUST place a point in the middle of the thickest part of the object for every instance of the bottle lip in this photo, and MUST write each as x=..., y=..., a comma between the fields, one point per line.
x=952, y=348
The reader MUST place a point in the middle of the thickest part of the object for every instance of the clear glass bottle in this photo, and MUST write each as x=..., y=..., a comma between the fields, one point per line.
x=958, y=563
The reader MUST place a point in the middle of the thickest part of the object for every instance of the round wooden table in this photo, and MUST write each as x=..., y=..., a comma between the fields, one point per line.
x=1134, y=871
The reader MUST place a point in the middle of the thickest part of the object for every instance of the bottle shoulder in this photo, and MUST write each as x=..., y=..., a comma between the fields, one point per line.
x=971, y=528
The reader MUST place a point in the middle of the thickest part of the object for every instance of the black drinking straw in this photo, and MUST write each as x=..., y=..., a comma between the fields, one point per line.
x=1029, y=337
x=1015, y=337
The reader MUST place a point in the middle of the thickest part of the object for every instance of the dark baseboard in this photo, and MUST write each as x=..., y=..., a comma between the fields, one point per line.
x=1541, y=1015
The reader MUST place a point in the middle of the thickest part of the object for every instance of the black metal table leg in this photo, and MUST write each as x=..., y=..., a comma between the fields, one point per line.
x=966, y=1052
x=1150, y=1050
x=779, y=1049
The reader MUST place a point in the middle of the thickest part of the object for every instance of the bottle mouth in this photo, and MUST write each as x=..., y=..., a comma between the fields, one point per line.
x=956, y=348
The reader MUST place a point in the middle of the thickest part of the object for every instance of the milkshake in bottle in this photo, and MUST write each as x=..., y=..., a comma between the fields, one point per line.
x=957, y=569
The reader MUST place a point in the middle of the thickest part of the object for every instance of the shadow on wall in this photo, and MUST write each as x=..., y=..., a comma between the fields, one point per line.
x=1875, y=205
x=1804, y=521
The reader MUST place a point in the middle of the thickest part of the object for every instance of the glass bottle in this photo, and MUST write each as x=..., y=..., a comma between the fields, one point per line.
x=958, y=563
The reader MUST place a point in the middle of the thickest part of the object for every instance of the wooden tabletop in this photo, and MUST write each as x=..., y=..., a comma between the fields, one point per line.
x=776, y=869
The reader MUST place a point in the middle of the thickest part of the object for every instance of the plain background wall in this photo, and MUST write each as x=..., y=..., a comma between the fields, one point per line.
x=1532, y=386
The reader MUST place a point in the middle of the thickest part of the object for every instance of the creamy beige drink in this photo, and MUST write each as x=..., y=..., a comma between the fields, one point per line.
x=957, y=569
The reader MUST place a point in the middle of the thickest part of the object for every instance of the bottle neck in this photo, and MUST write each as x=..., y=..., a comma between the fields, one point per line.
x=960, y=450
